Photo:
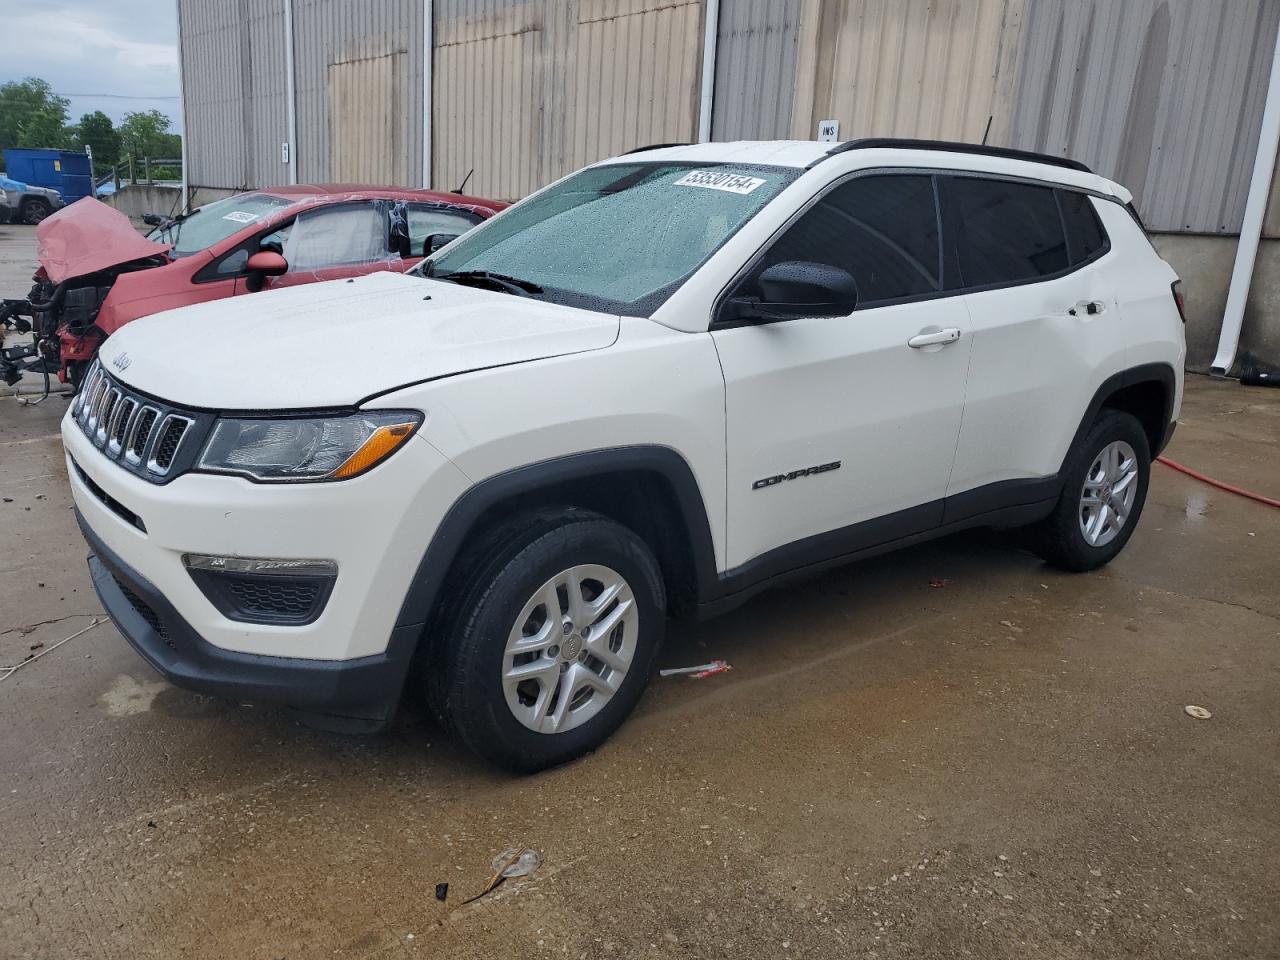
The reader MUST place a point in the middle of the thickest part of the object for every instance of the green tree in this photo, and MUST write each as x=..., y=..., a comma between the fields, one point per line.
x=98, y=133
x=146, y=134
x=32, y=115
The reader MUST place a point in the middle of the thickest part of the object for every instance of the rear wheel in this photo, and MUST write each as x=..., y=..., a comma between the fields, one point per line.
x=1105, y=487
x=553, y=643
x=34, y=210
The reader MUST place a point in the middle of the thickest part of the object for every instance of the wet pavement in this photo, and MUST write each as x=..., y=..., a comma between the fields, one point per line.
x=997, y=767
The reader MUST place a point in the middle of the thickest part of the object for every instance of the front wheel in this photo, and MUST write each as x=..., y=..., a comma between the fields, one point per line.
x=1104, y=489
x=554, y=642
x=34, y=211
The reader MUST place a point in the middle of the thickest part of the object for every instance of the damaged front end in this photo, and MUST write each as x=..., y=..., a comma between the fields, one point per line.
x=82, y=250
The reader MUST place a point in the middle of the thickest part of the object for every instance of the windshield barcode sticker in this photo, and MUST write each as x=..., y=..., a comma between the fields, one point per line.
x=728, y=182
x=241, y=216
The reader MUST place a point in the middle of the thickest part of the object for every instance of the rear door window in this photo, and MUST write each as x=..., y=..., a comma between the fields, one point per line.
x=881, y=229
x=1006, y=232
x=1086, y=238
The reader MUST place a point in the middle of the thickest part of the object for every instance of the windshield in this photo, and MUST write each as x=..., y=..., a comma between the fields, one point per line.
x=619, y=238
x=216, y=221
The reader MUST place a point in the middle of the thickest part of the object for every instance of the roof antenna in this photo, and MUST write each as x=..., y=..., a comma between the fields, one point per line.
x=987, y=132
x=464, y=180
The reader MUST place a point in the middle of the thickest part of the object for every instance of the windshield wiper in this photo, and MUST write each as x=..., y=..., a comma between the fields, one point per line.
x=501, y=280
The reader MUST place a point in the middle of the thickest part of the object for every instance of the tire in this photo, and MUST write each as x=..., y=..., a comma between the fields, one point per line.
x=1079, y=536
x=34, y=210
x=505, y=591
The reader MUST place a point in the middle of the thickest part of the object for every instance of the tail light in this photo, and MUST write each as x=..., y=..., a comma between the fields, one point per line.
x=1179, y=299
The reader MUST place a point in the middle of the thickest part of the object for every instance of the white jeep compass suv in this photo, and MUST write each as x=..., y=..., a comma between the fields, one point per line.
x=655, y=387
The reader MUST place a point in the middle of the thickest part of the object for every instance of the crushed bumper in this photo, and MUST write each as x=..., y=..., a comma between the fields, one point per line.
x=356, y=695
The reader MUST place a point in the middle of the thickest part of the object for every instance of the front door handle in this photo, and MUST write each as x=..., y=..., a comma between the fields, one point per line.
x=934, y=338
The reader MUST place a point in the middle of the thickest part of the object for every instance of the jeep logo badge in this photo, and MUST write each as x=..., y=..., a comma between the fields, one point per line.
x=121, y=361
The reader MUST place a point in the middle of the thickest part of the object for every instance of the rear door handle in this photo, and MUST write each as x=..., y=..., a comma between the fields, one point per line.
x=944, y=336
x=1088, y=308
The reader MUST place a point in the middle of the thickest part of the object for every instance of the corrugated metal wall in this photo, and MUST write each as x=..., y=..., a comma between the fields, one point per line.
x=906, y=68
x=1163, y=95
x=329, y=32
x=488, y=93
x=213, y=72
x=756, y=46
x=266, y=122
x=638, y=69
x=620, y=73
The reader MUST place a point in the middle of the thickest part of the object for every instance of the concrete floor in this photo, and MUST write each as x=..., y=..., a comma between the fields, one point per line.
x=1000, y=767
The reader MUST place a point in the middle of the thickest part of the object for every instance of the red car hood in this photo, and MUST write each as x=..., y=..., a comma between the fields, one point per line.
x=88, y=236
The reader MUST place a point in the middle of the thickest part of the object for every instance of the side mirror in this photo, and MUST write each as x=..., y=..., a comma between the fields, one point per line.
x=798, y=288
x=437, y=240
x=263, y=264
x=268, y=263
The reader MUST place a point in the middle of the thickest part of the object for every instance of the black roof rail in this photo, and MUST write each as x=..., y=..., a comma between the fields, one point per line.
x=1009, y=153
x=652, y=146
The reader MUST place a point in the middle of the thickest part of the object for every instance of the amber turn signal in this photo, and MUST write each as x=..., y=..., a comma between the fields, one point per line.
x=381, y=444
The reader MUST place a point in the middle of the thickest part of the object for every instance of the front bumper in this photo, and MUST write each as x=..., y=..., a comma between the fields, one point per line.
x=351, y=659
x=365, y=689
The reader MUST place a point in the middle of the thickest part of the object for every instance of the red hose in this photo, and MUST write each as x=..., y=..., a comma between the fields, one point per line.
x=1218, y=483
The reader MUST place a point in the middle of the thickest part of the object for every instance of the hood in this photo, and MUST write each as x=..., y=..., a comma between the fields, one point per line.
x=88, y=236
x=335, y=343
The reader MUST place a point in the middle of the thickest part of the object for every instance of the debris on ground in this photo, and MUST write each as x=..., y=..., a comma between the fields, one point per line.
x=1200, y=713
x=442, y=891
x=698, y=672
x=939, y=582
x=7, y=671
x=512, y=862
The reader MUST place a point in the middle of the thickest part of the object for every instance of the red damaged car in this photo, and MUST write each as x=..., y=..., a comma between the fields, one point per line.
x=97, y=272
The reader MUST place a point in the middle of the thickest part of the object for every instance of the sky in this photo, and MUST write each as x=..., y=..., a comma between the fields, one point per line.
x=89, y=49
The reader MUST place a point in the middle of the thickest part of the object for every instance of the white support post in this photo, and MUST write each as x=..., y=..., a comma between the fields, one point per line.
x=182, y=114
x=710, y=34
x=1255, y=210
x=428, y=60
x=290, y=94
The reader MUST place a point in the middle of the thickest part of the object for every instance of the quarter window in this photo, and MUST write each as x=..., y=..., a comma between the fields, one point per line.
x=881, y=229
x=1007, y=232
x=426, y=221
x=1085, y=237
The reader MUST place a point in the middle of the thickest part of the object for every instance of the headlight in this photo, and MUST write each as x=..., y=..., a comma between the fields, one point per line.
x=306, y=448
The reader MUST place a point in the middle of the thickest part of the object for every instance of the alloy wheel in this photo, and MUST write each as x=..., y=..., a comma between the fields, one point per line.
x=570, y=648
x=1110, y=486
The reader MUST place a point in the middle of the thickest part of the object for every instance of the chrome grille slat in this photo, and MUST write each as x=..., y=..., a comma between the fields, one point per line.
x=146, y=437
x=160, y=462
x=135, y=447
x=109, y=401
x=95, y=406
x=125, y=410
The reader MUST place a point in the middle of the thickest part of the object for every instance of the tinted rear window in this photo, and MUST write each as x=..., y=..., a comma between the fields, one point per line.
x=1007, y=232
x=1085, y=236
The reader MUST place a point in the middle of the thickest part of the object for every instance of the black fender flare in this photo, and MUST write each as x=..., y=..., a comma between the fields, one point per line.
x=1161, y=373
x=460, y=520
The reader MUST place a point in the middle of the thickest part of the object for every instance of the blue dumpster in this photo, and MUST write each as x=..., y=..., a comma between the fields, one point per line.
x=66, y=171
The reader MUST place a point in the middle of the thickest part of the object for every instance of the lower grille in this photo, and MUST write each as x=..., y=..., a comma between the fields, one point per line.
x=111, y=503
x=145, y=611
x=291, y=598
